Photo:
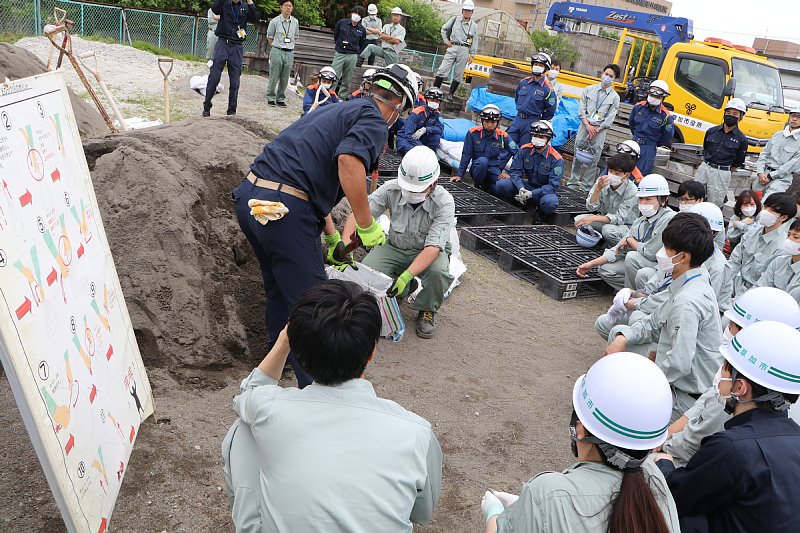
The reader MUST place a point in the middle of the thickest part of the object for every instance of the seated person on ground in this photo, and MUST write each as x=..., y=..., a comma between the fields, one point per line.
x=613, y=199
x=686, y=326
x=422, y=216
x=784, y=271
x=424, y=126
x=631, y=148
x=536, y=172
x=299, y=459
x=620, y=412
x=488, y=148
x=761, y=244
x=320, y=94
x=747, y=208
x=619, y=265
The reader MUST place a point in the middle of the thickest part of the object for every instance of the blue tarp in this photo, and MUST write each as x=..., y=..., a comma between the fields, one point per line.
x=481, y=97
x=455, y=129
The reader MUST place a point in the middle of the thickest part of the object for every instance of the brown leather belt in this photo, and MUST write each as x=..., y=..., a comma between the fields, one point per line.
x=275, y=186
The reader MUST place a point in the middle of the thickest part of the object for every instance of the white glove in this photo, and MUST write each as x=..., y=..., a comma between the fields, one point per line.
x=618, y=309
x=491, y=506
x=506, y=498
x=419, y=133
x=523, y=195
x=578, y=219
x=622, y=297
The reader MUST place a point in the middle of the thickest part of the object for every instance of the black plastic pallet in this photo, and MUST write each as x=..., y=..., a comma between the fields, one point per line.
x=544, y=255
x=570, y=204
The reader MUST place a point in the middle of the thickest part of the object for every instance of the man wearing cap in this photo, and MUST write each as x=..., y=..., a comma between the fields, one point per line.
x=535, y=100
x=780, y=158
x=231, y=33
x=393, y=38
x=351, y=38
x=284, y=203
x=422, y=217
x=460, y=34
x=282, y=34
x=373, y=25
x=724, y=151
x=488, y=149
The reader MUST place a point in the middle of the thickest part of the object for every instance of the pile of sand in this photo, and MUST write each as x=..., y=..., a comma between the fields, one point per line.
x=192, y=285
x=16, y=63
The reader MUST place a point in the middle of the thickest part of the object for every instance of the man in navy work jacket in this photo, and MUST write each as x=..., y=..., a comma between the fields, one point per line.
x=651, y=125
x=351, y=39
x=231, y=33
x=284, y=203
x=489, y=149
x=424, y=126
x=535, y=100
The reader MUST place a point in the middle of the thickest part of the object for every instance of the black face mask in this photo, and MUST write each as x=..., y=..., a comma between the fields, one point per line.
x=730, y=120
x=573, y=441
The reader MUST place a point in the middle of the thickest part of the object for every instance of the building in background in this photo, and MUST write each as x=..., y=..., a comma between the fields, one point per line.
x=786, y=56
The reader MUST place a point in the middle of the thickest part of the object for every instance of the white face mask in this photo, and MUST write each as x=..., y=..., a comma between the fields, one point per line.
x=413, y=197
x=355, y=18
x=614, y=180
x=537, y=69
x=433, y=105
x=606, y=80
x=552, y=73
x=717, y=380
x=727, y=335
x=648, y=210
x=652, y=100
x=767, y=219
x=326, y=86
x=538, y=142
x=791, y=247
x=665, y=264
x=685, y=206
x=748, y=211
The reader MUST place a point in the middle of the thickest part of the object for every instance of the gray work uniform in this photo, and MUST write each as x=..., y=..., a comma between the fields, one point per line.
x=782, y=274
x=464, y=36
x=578, y=500
x=750, y=259
x=620, y=271
x=689, y=334
x=298, y=459
x=284, y=34
x=705, y=417
x=411, y=231
x=384, y=49
x=620, y=205
x=779, y=158
x=211, y=37
x=372, y=24
x=559, y=90
x=599, y=106
x=737, y=228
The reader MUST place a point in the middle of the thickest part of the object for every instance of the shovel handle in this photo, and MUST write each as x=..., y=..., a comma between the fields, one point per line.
x=163, y=60
x=355, y=242
x=59, y=15
x=84, y=57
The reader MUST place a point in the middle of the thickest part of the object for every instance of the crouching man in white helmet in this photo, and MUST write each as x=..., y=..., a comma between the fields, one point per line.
x=745, y=478
x=422, y=215
x=621, y=409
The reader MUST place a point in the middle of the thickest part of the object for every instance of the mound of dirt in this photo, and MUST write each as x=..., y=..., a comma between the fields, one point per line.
x=191, y=283
x=16, y=63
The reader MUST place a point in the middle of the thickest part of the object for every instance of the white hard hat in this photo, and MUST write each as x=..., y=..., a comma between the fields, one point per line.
x=418, y=169
x=737, y=104
x=794, y=110
x=710, y=212
x=372, y=9
x=490, y=112
x=633, y=145
x=766, y=353
x=660, y=84
x=328, y=73
x=469, y=5
x=397, y=11
x=368, y=74
x=587, y=236
x=402, y=81
x=543, y=127
x=764, y=303
x=625, y=400
x=653, y=185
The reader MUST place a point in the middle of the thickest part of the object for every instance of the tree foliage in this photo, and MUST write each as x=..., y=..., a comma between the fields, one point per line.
x=648, y=48
x=424, y=22
x=557, y=46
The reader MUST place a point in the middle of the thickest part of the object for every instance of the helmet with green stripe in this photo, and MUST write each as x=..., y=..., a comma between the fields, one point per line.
x=767, y=353
x=624, y=400
x=653, y=185
x=418, y=169
x=764, y=303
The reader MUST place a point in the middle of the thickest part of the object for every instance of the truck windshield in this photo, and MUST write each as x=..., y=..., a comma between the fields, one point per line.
x=757, y=84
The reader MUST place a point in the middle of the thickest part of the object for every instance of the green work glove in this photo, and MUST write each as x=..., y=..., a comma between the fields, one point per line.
x=399, y=284
x=371, y=236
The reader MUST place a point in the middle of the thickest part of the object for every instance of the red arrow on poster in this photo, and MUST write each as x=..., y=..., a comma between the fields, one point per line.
x=52, y=277
x=110, y=352
x=24, y=309
x=55, y=175
x=70, y=443
x=102, y=527
x=26, y=198
x=5, y=188
x=133, y=433
x=80, y=251
x=93, y=394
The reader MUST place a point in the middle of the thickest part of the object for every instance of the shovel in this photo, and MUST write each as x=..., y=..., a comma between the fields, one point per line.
x=103, y=87
x=59, y=15
x=162, y=66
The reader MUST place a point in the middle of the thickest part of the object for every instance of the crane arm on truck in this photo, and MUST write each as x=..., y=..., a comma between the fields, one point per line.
x=670, y=30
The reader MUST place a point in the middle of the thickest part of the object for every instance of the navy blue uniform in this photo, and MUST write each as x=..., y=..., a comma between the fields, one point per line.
x=650, y=128
x=311, y=94
x=489, y=153
x=742, y=479
x=349, y=39
x=422, y=116
x=229, y=49
x=726, y=149
x=304, y=155
x=535, y=101
x=540, y=173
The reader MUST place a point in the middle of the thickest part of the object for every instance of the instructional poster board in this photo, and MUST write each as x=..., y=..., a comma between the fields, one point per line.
x=67, y=342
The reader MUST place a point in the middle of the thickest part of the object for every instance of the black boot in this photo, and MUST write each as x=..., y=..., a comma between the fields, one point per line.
x=453, y=88
x=437, y=82
x=359, y=61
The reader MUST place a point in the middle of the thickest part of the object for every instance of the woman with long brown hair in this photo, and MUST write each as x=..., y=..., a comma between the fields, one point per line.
x=622, y=407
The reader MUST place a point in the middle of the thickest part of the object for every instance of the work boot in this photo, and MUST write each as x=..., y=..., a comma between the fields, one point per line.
x=270, y=103
x=359, y=61
x=206, y=113
x=453, y=88
x=425, y=326
x=437, y=82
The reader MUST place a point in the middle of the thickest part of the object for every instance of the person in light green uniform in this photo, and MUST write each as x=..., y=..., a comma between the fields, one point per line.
x=392, y=39
x=784, y=271
x=621, y=409
x=373, y=25
x=779, y=159
x=282, y=34
x=211, y=37
x=460, y=34
x=686, y=326
x=422, y=217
